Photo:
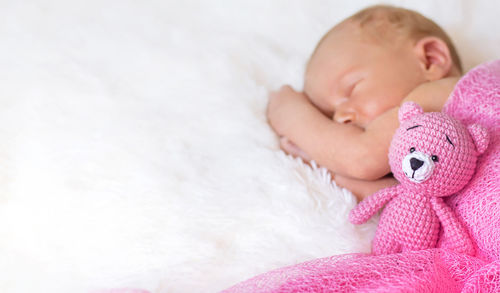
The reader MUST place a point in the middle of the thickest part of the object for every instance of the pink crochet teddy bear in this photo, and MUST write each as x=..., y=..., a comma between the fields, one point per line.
x=432, y=155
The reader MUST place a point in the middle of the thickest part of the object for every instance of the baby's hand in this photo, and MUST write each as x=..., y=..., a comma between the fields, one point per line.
x=283, y=105
x=292, y=149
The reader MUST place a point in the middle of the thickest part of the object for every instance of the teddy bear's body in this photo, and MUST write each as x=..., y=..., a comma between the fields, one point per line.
x=407, y=223
x=432, y=155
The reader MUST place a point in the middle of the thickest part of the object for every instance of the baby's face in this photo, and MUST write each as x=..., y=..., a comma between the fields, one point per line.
x=355, y=80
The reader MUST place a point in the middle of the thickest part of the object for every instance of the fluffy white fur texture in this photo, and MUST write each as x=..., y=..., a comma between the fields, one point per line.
x=134, y=148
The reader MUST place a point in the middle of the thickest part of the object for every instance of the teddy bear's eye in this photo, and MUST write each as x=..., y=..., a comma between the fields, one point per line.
x=412, y=150
x=435, y=158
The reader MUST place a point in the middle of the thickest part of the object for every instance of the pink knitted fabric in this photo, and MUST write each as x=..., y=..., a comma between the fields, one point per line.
x=432, y=155
x=476, y=99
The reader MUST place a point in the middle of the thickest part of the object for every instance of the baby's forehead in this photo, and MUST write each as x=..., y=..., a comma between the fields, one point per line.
x=347, y=39
x=339, y=34
x=335, y=41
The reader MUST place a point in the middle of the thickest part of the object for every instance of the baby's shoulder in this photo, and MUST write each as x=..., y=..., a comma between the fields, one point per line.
x=432, y=95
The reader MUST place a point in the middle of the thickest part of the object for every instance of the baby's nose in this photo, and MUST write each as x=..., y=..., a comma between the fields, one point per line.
x=344, y=116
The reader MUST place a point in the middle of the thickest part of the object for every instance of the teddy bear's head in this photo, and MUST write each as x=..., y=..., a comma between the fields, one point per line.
x=433, y=152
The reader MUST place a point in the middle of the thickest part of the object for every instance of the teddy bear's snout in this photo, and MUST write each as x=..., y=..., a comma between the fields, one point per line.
x=417, y=166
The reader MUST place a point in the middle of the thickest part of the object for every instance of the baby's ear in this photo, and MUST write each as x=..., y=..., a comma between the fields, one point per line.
x=479, y=136
x=434, y=57
x=408, y=110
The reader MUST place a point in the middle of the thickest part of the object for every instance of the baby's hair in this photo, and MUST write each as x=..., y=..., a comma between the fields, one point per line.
x=380, y=19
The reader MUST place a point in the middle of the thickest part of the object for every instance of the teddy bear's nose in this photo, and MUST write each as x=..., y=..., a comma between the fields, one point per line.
x=416, y=163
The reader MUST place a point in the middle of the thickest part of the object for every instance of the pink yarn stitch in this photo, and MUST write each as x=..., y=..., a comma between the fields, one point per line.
x=432, y=155
x=476, y=99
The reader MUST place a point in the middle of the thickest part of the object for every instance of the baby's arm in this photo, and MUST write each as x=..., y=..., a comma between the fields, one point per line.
x=364, y=188
x=345, y=149
x=360, y=188
x=340, y=148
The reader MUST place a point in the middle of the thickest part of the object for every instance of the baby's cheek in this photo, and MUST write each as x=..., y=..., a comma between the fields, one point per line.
x=371, y=109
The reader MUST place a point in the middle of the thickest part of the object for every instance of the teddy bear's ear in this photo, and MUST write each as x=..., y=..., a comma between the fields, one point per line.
x=480, y=137
x=408, y=110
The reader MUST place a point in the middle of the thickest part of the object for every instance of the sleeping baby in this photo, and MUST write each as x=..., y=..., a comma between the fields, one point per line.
x=361, y=71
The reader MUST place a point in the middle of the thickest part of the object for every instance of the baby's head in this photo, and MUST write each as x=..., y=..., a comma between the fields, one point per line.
x=369, y=62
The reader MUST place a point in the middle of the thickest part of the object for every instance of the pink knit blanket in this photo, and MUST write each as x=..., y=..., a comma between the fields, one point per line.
x=476, y=98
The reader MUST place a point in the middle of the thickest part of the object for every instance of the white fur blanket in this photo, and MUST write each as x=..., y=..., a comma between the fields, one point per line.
x=134, y=148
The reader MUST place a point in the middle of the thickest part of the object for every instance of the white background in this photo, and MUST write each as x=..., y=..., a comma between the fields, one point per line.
x=134, y=148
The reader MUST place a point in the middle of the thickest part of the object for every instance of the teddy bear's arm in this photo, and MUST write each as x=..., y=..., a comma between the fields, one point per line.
x=452, y=228
x=369, y=206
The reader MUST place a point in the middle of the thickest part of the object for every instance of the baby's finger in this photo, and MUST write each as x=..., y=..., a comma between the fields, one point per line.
x=292, y=149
